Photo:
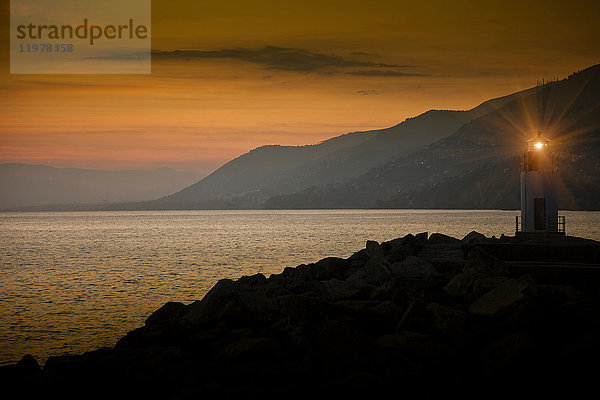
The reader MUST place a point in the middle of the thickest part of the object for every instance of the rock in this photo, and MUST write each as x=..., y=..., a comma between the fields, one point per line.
x=446, y=319
x=341, y=290
x=227, y=299
x=301, y=319
x=374, y=249
x=19, y=374
x=359, y=259
x=398, y=249
x=438, y=238
x=29, y=365
x=413, y=268
x=486, y=283
x=256, y=349
x=387, y=308
x=302, y=312
x=421, y=237
x=327, y=327
x=400, y=252
x=166, y=315
x=65, y=366
x=483, y=262
x=474, y=237
x=479, y=265
x=339, y=350
x=331, y=268
x=374, y=279
x=358, y=306
x=253, y=280
x=376, y=272
x=558, y=294
x=506, y=296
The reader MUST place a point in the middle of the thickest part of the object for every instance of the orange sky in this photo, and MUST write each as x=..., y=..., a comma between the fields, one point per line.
x=335, y=68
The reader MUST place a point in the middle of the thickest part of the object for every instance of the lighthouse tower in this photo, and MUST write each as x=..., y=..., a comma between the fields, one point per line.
x=539, y=210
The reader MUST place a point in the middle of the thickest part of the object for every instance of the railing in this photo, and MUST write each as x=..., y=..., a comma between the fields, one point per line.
x=553, y=225
x=561, y=223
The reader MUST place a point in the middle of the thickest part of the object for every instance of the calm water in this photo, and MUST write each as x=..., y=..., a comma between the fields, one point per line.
x=75, y=281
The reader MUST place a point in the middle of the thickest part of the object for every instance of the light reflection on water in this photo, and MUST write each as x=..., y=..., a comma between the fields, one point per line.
x=75, y=281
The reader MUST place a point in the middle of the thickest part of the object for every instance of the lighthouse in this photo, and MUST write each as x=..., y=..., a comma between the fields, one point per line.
x=539, y=209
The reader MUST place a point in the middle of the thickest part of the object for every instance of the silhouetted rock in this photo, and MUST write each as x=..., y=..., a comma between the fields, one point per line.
x=447, y=319
x=252, y=348
x=350, y=327
x=439, y=238
x=167, y=314
x=228, y=299
x=474, y=237
x=29, y=365
x=374, y=279
x=505, y=296
x=413, y=267
x=480, y=265
x=374, y=249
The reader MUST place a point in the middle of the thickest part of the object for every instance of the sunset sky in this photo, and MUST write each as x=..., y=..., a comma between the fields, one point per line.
x=251, y=73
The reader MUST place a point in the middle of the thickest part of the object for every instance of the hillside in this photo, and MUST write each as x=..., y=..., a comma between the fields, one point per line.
x=478, y=165
x=249, y=180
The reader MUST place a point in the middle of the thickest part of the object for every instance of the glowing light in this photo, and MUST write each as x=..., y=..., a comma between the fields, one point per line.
x=539, y=145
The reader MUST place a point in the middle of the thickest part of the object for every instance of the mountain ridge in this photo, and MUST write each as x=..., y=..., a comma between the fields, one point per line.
x=438, y=159
x=569, y=109
x=35, y=185
x=267, y=171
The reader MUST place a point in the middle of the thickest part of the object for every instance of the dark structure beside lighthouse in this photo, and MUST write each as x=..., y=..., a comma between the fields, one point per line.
x=539, y=209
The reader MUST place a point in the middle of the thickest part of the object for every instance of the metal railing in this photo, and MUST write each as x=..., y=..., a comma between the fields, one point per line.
x=553, y=225
x=562, y=224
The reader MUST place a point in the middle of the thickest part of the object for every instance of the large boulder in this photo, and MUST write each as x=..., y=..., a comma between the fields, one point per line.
x=330, y=268
x=168, y=314
x=398, y=250
x=447, y=319
x=439, y=238
x=252, y=348
x=413, y=268
x=504, y=297
x=374, y=249
x=480, y=265
x=474, y=237
x=28, y=365
x=374, y=280
x=341, y=290
x=229, y=299
x=375, y=272
x=339, y=350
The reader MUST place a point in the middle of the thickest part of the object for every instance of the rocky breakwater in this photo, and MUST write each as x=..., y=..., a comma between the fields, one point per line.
x=420, y=316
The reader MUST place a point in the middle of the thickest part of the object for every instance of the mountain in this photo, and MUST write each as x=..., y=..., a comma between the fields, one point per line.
x=255, y=177
x=478, y=165
x=38, y=185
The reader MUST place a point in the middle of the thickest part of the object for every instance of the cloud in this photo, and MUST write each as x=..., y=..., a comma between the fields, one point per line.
x=366, y=92
x=364, y=54
x=282, y=58
x=379, y=72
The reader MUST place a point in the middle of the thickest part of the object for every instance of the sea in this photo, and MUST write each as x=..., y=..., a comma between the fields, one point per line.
x=72, y=282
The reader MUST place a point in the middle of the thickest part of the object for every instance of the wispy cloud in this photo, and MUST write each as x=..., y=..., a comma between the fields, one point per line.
x=378, y=72
x=367, y=92
x=289, y=59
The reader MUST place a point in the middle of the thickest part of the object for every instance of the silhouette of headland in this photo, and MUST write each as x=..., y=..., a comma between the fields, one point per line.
x=421, y=316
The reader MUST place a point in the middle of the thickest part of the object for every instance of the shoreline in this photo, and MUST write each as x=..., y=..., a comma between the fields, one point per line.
x=392, y=313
